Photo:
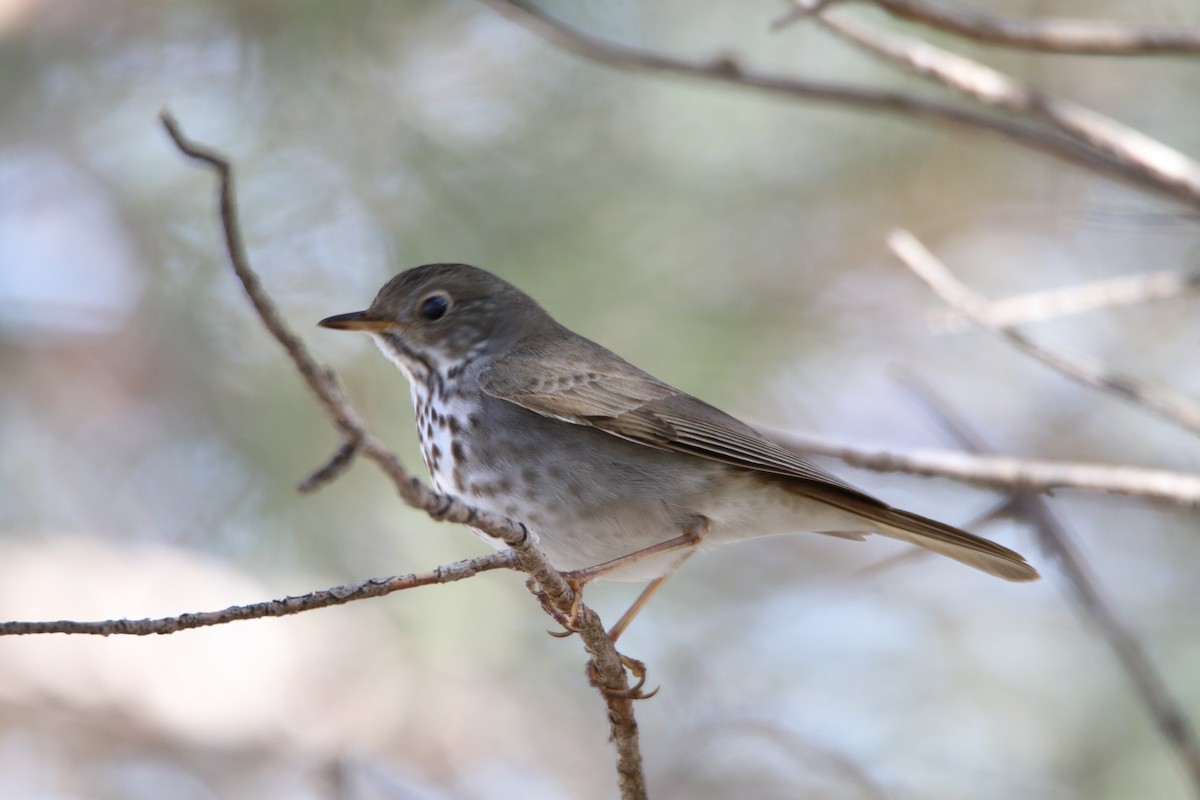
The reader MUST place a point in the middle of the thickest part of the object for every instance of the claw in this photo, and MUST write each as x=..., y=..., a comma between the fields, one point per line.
x=637, y=669
x=576, y=601
x=571, y=621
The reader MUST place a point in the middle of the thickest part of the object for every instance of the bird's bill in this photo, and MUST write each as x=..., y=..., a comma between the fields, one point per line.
x=356, y=321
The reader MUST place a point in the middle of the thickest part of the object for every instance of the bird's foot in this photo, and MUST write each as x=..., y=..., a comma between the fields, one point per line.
x=572, y=620
x=636, y=668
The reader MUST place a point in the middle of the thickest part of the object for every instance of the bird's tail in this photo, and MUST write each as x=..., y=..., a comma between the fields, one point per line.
x=946, y=540
x=943, y=539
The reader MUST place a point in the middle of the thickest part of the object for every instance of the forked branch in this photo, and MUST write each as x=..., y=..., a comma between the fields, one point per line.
x=1179, y=410
x=607, y=671
x=1074, y=135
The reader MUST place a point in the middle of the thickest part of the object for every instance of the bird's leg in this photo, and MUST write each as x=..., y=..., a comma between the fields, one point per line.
x=637, y=668
x=615, y=632
x=693, y=533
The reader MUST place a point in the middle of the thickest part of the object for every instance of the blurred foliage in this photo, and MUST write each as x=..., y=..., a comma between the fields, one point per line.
x=731, y=243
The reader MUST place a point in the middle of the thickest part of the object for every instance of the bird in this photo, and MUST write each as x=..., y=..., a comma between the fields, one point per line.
x=617, y=474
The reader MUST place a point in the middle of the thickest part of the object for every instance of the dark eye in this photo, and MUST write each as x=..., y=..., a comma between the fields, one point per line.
x=435, y=306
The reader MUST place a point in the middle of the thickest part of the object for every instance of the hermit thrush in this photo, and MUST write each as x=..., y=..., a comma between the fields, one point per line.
x=614, y=471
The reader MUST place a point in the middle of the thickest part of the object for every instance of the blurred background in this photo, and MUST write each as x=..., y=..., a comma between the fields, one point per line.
x=152, y=434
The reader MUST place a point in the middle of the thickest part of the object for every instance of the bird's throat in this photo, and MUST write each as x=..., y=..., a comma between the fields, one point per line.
x=417, y=367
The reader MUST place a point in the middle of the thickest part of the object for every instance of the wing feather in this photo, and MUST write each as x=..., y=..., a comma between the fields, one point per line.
x=609, y=394
x=622, y=400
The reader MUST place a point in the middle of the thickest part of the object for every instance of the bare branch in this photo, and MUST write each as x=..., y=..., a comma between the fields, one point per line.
x=609, y=671
x=727, y=71
x=1040, y=306
x=338, y=463
x=925, y=265
x=1005, y=473
x=1160, y=164
x=1065, y=36
x=336, y=596
x=321, y=380
x=1152, y=689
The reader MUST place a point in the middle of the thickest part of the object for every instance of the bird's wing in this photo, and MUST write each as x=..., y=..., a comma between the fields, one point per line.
x=616, y=397
x=612, y=395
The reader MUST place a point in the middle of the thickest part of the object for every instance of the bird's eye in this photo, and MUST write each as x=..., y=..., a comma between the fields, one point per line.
x=435, y=306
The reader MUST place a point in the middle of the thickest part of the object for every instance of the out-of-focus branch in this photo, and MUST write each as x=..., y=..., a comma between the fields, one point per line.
x=1004, y=473
x=928, y=268
x=1040, y=306
x=608, y=670
x=793, y=747
x=336, y=596
x=728, y=71
x=1161, y=165
x=1151, y=688
x=1064, y=36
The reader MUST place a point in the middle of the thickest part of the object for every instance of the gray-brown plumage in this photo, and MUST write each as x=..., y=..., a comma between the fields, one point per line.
x=520, y=416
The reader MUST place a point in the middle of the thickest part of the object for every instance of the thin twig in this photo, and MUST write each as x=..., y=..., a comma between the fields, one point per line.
x=338, y=463
x=1178, y=410
x=1064, y=36
x=611, y=678
x=1044, y=305
x=728, y=71
x=336, y=596
x=1151, y=688
x=1005, y=473
x=1121, y=144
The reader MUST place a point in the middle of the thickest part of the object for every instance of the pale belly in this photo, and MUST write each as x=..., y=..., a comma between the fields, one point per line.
x=590, y=497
